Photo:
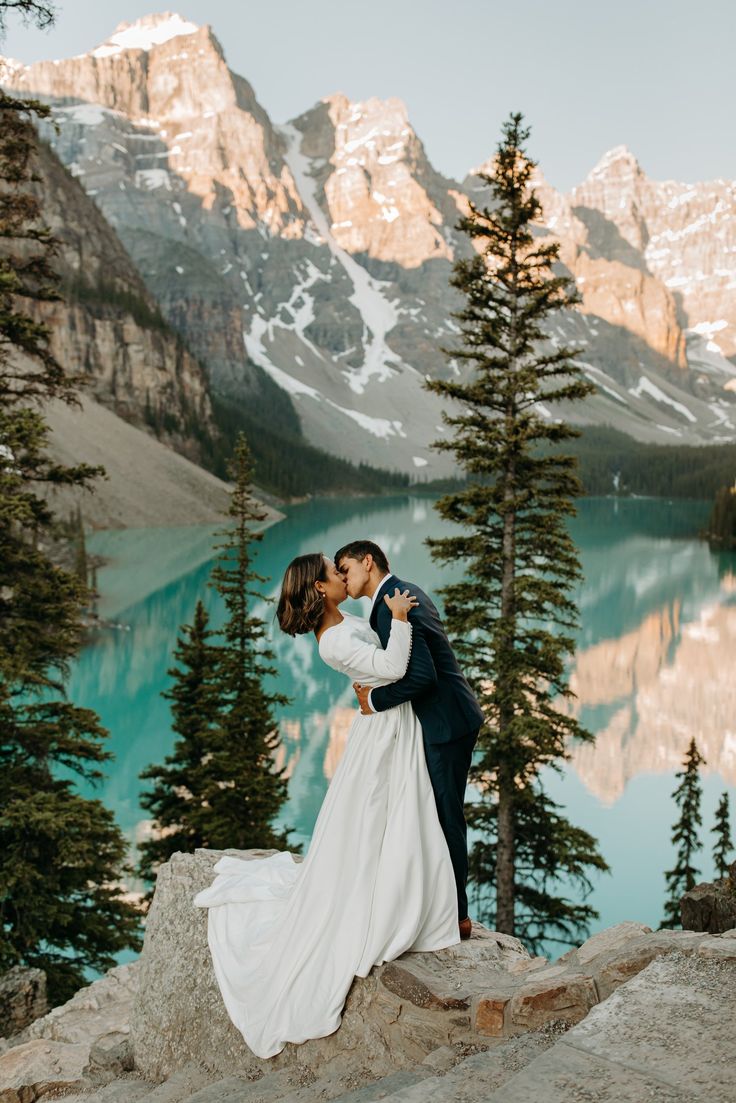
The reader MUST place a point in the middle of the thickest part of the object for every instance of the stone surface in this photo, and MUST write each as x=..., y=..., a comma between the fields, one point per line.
x=675, y=1022
x=565, y=1075
x=489, y=1016
x=710, y=906
x=182, y=1084
x=613, y=938
x=36, y=1068
x=22, y=998
x=620, y=965
x=128, y=1089
x=472, y=1079
x=82, y=1043
x=666, y=1036
x=408, y=985
x=566, y=998
x=96, y=1015
x=388, y=1048
x=720, y=949
x=395, y=1017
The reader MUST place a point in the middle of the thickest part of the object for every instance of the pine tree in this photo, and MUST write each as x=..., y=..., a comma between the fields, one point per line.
x=723, y=846
x=512, y=614
x=179, y=799
x=250, y=789
x=682, y=877
x=220, y=787
x=61, y=856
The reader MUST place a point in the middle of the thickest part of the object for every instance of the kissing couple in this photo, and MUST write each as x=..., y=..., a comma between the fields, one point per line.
x=387, y=864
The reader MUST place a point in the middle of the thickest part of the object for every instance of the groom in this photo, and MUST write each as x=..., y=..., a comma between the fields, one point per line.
x=443, y=701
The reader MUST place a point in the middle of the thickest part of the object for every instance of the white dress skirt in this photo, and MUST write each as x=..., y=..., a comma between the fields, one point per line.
x=288, y=938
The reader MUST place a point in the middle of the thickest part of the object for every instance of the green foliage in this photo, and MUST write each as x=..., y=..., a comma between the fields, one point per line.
x=721, y=530
x=220, y=787
x=512, y=616
x=284, y=463
x=549, y=853
x=61, y=856
x=610, y=462
x=180, y=799
x=682, y=877
x=252, y=788
x=723, y=846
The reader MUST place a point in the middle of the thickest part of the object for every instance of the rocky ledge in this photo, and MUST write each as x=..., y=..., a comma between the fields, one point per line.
x=477, y=1016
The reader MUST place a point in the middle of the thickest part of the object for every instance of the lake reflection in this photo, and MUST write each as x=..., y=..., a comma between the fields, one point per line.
x=655, y=666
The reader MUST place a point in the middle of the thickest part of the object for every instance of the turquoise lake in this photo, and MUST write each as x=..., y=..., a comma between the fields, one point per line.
x=656, y=665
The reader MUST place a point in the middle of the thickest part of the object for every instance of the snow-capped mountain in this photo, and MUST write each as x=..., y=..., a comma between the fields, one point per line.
x=318, y=253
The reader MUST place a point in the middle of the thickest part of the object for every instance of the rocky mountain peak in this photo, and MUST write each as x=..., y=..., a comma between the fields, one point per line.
x=145, y=33
x=379, y=192
x=325, y=245
x=618, y=163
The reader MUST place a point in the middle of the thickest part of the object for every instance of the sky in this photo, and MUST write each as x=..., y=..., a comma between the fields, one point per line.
x=654, y=75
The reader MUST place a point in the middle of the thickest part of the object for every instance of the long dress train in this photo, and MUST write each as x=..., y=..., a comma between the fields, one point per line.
x=286, y=938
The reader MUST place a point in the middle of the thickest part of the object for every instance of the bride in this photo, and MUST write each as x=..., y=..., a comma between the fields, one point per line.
x=288, y=938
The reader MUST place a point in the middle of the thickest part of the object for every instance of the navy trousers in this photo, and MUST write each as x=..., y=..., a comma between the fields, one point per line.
x=448, y=765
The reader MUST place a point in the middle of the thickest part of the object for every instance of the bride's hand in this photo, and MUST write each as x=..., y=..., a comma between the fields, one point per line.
x=400, y=604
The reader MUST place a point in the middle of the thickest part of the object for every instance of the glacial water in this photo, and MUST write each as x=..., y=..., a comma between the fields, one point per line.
x=655, y=665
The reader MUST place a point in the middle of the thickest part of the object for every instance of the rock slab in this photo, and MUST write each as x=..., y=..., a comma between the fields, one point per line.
x=78, y=1045
x=393, y=1018
x=667, y=1035
x=711, y=906
x=22, y=999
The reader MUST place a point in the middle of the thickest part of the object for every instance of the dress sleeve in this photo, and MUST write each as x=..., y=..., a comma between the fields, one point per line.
x=369, y=660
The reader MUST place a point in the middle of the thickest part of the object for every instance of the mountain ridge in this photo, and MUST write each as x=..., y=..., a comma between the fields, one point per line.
x=318, y=252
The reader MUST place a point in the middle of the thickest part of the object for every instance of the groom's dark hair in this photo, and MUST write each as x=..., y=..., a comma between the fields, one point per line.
x=359, y=549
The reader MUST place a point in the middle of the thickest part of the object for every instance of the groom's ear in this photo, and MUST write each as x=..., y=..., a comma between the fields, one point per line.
x=368, y=561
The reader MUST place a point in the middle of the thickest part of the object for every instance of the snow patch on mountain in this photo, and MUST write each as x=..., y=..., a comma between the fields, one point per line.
x=379, y=427
x=379, y=315
x=645, y=386
x=85, y=114
x=145, y=33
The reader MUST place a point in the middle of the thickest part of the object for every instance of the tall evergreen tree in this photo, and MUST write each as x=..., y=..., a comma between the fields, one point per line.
x=251, y=790
x=723, y=846
x=179, y=801
x=220, y=787
x=682, y=877
x=512, y=614
x=61, y=856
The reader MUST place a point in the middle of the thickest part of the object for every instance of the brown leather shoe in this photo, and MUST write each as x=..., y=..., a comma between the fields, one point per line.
x=466, y=928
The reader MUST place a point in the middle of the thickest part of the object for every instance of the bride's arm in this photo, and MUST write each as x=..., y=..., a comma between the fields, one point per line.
x=369, y=660
x=365, y=660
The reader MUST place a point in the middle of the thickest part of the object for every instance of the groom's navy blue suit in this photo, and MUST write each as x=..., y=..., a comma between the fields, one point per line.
x=448, y=712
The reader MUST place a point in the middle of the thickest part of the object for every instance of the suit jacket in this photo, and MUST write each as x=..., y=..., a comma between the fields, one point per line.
x=440, y=695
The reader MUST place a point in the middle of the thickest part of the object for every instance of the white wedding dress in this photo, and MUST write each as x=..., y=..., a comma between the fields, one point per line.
x=287, y=938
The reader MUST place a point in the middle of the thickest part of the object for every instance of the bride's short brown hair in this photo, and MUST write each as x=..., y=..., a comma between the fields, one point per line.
x=301, y=604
